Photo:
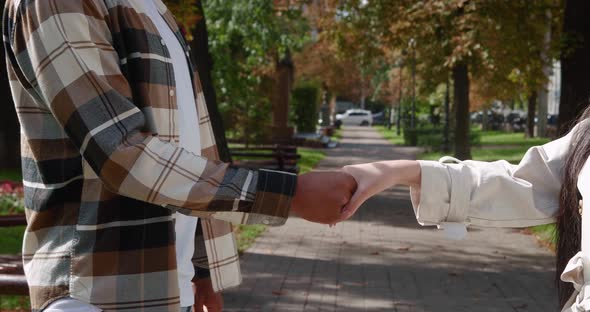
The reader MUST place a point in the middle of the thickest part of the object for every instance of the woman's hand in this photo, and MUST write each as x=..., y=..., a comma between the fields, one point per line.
x=373, y=178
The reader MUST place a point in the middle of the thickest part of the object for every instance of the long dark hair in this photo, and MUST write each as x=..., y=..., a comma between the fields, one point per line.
x=569, y=220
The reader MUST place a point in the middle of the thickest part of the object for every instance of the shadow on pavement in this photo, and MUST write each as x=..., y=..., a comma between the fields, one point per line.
x=314, y=285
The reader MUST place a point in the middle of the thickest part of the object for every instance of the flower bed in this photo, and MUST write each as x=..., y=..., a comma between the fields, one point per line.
x=11, y=198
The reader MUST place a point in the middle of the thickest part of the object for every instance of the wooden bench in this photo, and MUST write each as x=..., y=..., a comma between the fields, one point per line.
x=273, y=157
x=12, y=276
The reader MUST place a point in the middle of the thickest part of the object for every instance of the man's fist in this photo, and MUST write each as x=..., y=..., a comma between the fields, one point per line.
x=321, y=195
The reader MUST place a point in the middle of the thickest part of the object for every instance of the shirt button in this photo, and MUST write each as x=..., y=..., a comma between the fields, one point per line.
x=171, y=92
x=266, y=221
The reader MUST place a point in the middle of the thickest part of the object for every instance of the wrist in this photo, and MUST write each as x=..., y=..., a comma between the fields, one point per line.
x=401, y=172
x=410, y=173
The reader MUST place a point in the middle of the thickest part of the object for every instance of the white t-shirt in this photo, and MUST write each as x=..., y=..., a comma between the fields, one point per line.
x=190, y=140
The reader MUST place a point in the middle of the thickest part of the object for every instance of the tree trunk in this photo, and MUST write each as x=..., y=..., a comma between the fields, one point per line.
x=530, y=120
x=485, y=124
x=447, y=129
x=542, y=102
x=399, y=103
x=575, y=63
x=543, y=93
x=281, y=97
x=332, y=105
x=9, y=127
x=204, y=64
x=461, y=97
x=362, y=99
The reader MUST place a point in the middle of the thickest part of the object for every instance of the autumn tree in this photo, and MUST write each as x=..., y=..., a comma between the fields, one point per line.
x=322, y=61
x=496, y=43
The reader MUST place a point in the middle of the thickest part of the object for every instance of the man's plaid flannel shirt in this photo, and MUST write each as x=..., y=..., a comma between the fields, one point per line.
x=95, y=95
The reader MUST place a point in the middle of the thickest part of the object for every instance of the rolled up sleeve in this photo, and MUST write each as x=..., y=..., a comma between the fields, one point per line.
x=493, y=194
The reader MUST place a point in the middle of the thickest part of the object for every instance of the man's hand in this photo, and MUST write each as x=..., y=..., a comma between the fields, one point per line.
x=321, y=195
x=205, y=298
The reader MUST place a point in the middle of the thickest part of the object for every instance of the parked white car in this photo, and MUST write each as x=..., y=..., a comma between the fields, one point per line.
x=356, y=117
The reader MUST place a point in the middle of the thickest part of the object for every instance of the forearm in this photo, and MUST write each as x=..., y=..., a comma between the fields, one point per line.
x=374, y=178
x=401, y=172
x=389, y=173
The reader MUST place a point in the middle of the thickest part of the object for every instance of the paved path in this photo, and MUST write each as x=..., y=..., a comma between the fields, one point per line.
x=382, y=260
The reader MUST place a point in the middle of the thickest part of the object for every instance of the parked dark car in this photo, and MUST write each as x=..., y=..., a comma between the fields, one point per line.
x=380, y=119
x=494, y=120
x=516, y=122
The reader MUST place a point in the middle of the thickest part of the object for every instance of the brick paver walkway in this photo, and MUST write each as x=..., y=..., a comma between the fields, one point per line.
x=382, y=260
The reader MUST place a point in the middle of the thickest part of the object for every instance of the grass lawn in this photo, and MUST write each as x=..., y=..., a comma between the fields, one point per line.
x=504, y=138
x=13, y=175
x=337, y=135
x=14, y=303
x=11, y=239
x=391, y=135
x=247, y=234
x=546, y=234
x=497, y=145
x=511, y=154
x=309, y=158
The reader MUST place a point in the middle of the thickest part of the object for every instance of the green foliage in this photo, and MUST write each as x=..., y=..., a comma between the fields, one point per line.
x=337, y=136
x=11, y=198
x=304, y=107
x=12, y=175
x=433, y=138
x=246, y=235
x=375, y=106
x=412, y=136
x=186, y=13
x=249, y=123
x=11, y=239
x=391, y=135
x=11, y=204
x=15, y=303
x=546, y=233
x=246, y=38
x=309, y=159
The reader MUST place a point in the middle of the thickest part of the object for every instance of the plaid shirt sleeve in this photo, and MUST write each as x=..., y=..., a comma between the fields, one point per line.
x=65, y=58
